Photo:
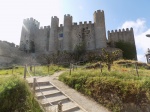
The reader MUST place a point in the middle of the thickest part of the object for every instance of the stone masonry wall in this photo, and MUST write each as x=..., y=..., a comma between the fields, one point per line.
x=121, y=35
x=66, y=37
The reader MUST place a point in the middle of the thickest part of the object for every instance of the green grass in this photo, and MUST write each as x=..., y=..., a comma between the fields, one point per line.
x=43, y=70
x=17, y=71
x=112, y=89
x=39, y=70
x=15, y=96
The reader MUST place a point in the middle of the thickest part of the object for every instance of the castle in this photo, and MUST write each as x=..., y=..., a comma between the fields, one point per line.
x=68, y=35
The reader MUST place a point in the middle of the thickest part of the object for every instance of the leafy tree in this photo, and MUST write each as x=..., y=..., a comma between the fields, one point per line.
x=109, y=57
x=59, y=57
x=48, y=58
x=79, y=51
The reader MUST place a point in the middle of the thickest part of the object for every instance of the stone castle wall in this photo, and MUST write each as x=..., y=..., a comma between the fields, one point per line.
x=30, y=29
x=41, y=42
x=89, y=35
x=10, y=55
x=8, y=51
x=65, y=37
x=121, y=35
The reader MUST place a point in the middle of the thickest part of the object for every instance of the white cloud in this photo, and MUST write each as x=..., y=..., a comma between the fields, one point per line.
x=140, y=31
x=139, y=26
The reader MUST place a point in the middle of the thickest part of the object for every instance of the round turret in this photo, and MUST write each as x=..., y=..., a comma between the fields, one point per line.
x=67, y=32
x=53, y=40
x=100, y=31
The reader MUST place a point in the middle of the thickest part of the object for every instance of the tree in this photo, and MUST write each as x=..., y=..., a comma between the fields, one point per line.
x=109, y=57
x=55, y=58
x=79, y=51
x=47, y=58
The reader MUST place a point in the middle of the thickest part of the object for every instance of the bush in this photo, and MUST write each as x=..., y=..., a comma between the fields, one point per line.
x=15, y=96
x=112, y=89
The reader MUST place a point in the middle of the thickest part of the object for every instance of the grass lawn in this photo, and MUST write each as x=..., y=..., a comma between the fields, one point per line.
x=15, y=95
x=113, y=89
x=39, y=70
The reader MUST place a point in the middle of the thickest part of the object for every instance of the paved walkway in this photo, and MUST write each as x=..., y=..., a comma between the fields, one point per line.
x=87, y=103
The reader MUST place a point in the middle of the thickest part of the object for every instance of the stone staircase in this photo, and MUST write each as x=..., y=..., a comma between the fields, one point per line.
x=49, y=96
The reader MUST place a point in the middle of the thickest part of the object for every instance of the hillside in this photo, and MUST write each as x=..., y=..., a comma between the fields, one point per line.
x=124, y=88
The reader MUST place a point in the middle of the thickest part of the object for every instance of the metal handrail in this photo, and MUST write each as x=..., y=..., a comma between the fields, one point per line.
x=43, y=94
x=40, y=89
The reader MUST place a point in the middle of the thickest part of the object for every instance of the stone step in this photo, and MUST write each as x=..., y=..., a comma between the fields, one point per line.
x=79, y=111
x=54, y=100
x=45, y=83
x=47, y=94
x=63, y=100
x=44, y=88
x=67, y=107
x=51, y=108
x=70, y=107
x=52, y=96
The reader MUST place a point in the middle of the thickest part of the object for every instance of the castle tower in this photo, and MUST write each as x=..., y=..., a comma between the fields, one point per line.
x=100, y=31
x=28, y=34
x=53, y=40
x=67, y=32
x=24, y=34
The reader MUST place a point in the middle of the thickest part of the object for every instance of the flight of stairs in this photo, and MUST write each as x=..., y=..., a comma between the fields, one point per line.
x=49, y=96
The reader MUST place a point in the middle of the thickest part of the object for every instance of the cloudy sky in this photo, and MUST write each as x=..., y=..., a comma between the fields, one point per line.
x=118, y=14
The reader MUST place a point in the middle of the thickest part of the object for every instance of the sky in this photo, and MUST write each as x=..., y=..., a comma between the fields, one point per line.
x=118, y=14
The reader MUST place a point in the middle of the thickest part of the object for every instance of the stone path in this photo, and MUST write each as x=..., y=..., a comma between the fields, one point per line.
x=49, y=96
x=83, y=102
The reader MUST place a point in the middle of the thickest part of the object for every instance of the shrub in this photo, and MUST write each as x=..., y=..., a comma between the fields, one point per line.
x=112, y=89
x=15, y=96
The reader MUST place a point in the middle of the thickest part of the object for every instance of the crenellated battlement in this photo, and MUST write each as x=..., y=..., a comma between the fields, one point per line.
x=47, y=39
x=44, y=28
x=99, y=12
x=125, y=35
x=41, y=27
x=85, y=22
x=121, y=30
x=67, y=20
x=75, y=24
x=90, y=22
x=80, y=23
x=31, y=21
x=67, y=15
x=54, y=17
